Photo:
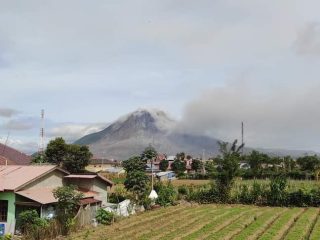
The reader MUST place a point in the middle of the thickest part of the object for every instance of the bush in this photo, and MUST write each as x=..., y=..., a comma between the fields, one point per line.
x=104, y=217
x=204, y=196
x=183, y=190
x=166, y=194
x=7, y=236
x=120, y=194
x=29, y=221
x=277, y=195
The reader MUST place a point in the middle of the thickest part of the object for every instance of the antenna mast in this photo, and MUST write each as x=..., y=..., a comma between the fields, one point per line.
x=41, y=143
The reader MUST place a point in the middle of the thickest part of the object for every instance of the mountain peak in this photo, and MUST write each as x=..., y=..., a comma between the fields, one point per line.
x=133, y=132
x=155, y=117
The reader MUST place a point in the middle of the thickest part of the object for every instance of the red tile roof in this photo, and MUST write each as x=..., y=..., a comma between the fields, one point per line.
x=13, y=156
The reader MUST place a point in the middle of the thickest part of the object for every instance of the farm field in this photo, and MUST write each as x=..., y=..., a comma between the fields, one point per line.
x=213, y=221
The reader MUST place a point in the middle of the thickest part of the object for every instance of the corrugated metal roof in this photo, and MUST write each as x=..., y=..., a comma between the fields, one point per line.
x=88, y=201
x=40, y=195
x=14, y=176
x=80, y=176
x=45, y=195
x=86, y=176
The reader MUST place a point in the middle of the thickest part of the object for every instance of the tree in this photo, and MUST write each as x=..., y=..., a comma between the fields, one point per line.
x=77, y=158
x=178, y=166
x=137, y=182
x=309, y=163
x=164, y=164
x=134, y=163
x=68, y=203
x=149, y=154
x=228, y=167
x=74, y=158
x=39, y=158
x=211, y=168
x=255, y=160
x=56, y=151
x=180, y=156
x=289, y=163
x=196, y=165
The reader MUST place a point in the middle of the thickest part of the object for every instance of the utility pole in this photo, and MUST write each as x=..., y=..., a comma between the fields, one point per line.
x=242, y=136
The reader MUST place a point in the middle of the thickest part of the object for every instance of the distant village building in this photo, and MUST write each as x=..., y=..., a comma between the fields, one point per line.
x=99, y=164
x=165, y=176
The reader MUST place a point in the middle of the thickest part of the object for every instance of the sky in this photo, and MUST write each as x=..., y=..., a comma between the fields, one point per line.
x=209, y=63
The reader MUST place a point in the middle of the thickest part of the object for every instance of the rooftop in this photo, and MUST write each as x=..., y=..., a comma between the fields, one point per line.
x=12, y=177
x=79, y=176
x=13, y=156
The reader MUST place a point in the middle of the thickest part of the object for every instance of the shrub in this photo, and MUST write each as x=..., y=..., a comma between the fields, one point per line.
x=29, y=221
x=7, y=236
x=277, y=194
x=166, y=194
x=183, y=190
x=104, y=217
x=68, y=201
x=120, y=194
x=204, y=196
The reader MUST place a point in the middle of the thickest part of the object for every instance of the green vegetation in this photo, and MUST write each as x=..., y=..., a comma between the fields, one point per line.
x=228, y=166
x=68, y=202
x=167, y=195
x=212, y=222
x=31, y=225
x=164, y=164
x=178, y=166
x=104, y=217
x=74, y=158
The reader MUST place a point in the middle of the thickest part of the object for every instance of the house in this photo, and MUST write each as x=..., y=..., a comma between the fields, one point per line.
x=11, y=156
x=152, y=168
x=171, y=160
x=95, y=185
x=244, y=165
x=163, y=176
x=30, y=187
x=115, y=170
x=99, y=164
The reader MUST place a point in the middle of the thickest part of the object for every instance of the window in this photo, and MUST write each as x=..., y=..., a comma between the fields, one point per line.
x=3, y=210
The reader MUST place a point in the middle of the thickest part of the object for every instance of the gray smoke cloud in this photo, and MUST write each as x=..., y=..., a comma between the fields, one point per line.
x=308, y=40
x=7, y=112
x=285, y=117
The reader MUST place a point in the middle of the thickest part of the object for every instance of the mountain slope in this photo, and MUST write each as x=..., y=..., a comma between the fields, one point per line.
x=131, y=134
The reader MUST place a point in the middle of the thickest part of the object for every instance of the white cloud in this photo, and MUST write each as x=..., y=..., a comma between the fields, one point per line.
x=73, y=131
x=23, y=145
